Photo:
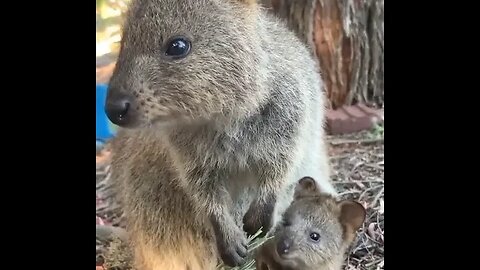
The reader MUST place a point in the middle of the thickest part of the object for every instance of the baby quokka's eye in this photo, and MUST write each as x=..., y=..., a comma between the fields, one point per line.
x=315, y=236
x=178, y=47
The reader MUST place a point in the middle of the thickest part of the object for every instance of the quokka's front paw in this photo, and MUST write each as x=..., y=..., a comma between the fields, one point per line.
x=259, y=215
x=231, y=244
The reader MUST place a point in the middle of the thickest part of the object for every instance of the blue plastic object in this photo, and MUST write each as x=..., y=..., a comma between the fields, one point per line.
x=105, y=128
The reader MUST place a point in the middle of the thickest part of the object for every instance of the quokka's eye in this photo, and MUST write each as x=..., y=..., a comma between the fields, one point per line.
x=315, y=236
x=178, y=47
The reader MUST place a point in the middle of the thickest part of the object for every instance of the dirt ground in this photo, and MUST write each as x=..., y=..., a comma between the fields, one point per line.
x=357, y=172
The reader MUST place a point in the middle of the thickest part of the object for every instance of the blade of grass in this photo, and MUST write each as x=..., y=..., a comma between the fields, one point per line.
x=253, y=243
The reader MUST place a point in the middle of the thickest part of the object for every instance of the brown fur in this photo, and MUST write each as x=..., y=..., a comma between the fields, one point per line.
x=165, y=231
x=188, y=254
x=311, y=211
x=216, y=139
x=249, y=2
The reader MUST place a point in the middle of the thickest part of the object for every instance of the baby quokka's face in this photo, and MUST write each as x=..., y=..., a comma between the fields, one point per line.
x=315, y=230
x=183, y=59
x=308, y=235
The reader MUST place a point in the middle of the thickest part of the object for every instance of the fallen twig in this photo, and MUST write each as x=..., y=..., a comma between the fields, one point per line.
x=359, y=141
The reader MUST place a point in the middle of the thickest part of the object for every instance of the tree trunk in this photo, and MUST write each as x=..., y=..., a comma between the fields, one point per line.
x=347, y=37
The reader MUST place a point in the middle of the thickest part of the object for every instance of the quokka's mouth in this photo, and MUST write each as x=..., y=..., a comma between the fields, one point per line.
x=177, y=119
x=159, y=122
x=165, y=120
x=287, y=261
x=160, y=119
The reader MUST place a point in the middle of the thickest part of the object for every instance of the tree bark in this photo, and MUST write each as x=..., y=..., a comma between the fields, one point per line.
x=347, y=37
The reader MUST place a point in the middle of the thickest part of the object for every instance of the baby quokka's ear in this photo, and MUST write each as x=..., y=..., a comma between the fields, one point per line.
x=306, y=187
x=352, y=216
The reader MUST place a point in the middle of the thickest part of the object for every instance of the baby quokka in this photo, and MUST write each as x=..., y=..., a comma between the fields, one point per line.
x=315, y=232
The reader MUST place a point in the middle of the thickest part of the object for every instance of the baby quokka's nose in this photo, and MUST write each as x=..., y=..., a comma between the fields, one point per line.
x=118, y=108
x=283, y=246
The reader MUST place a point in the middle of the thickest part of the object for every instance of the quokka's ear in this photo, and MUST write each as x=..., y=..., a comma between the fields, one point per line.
x=352, y=215
x=306, y=187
